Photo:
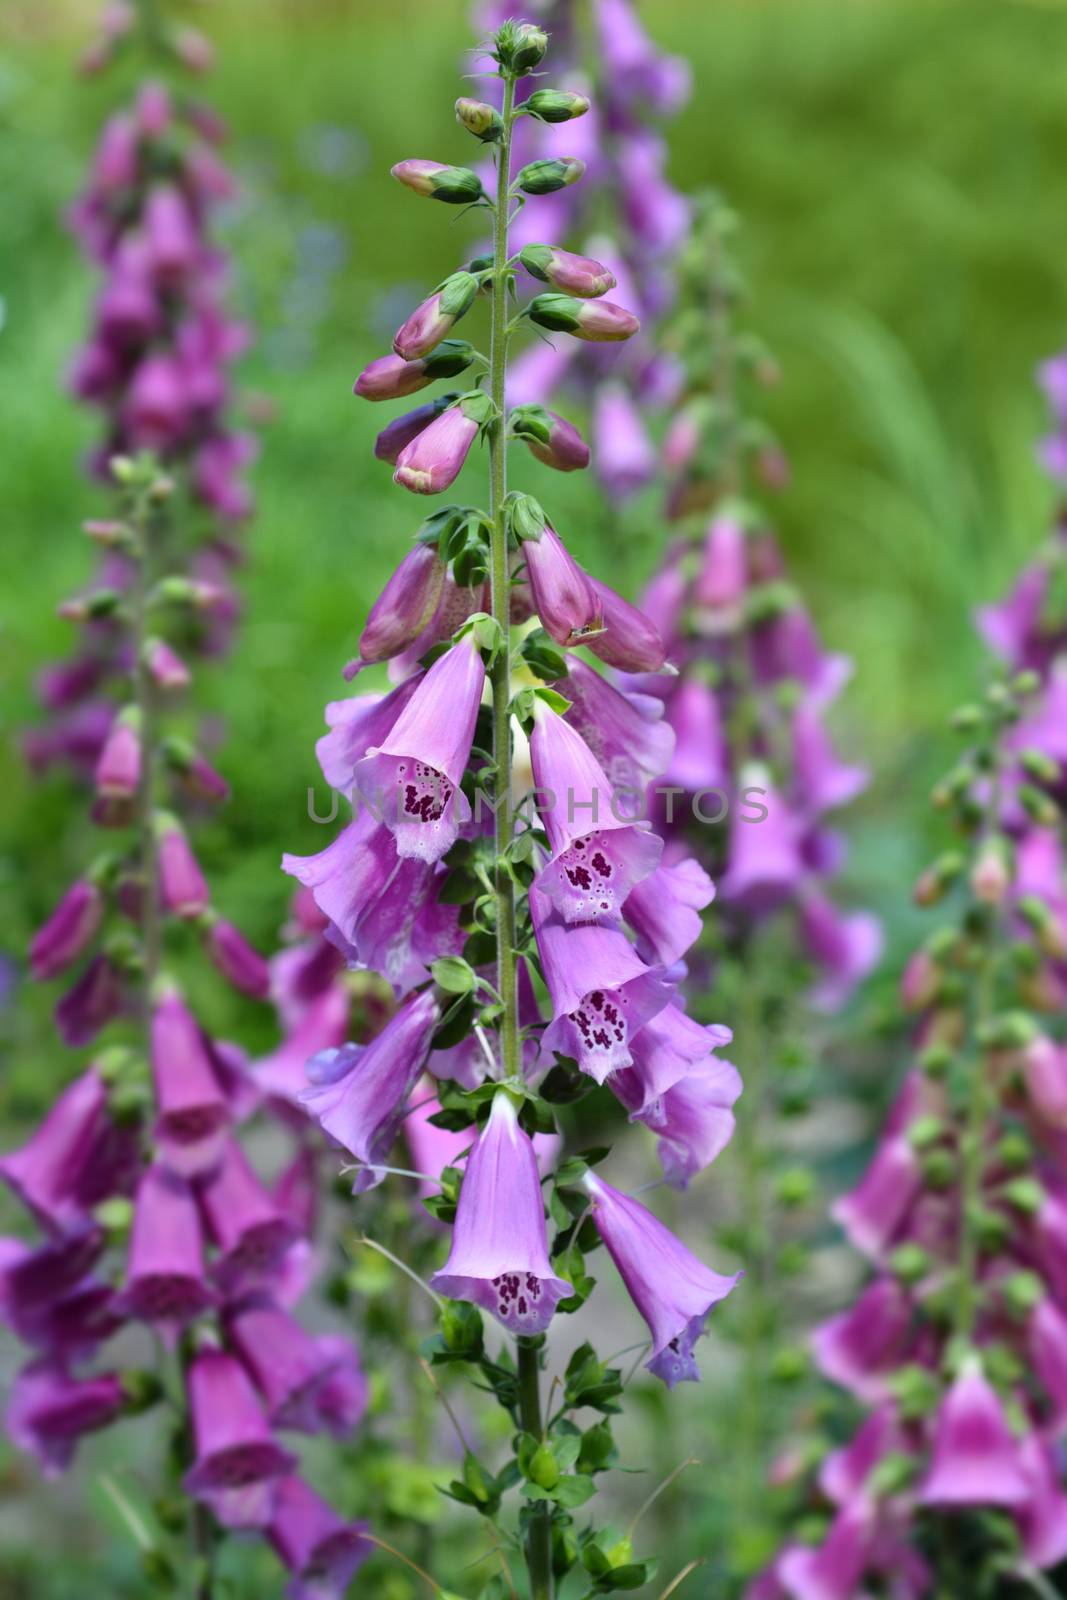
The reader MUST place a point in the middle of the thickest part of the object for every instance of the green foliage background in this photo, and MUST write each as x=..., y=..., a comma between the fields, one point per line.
x=899, y=168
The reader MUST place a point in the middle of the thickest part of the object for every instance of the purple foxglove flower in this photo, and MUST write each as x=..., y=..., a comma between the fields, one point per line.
x=538, y=372
x=847, y=948
x=118, y=771
x=1050, y=1241
x=199, y=779
x=355, y=725
x=664, y=910
x=626, y=732
x=94, y=1000
x=286, y=1364
x=344, y=1394
x=434, y=319
x=622, y=450
x=723, y=577
x=873, y=1213
x=664, y=596
x=433, y=460
x=71, y=927
x=237, y=1457
x=596, y=321
x=251, y=1233
x=193, y=1111
x=183, y=887
x=699, y=763
x=835, y=1569
x=602, y=993
x=156, y=406
x=499, y=1255
x=765, y=865
x=570, y=274
x=49, y=1411
x=1046, y=1338
x=403, y=430
x=404, y=606
x=407, y=928
x=64, y=683
x=392, y=378
x=556, y=441
x=976, y=1460
x=693, y=1118
x=787, y=646
x=672, y=1290
x=34, y=1278
x=458, y=603
x=597, y=857
x=296, y=1191
x=358, y=1092
x=170, y=234
x=1043, y=1520
x=1013, y=628
x=321, y=1025
x=413, y=777
x=235, y=958
x=636, y=71
x=68, y=1326
x=166, y=666
x=821, y=781
x=844, y=1473
x=630, y=641
x=563, y=596
x=320, y=1549
x=861, y=1348
x=47, y=1171
x=165, y=1270
x=655, y=212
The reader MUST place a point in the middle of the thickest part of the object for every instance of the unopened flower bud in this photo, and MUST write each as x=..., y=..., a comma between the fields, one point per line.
x=520, y=47
x=483, y=120
x=551, y=438
x=991, y=876
x=235, y=958
x=597, y=321
x=167, y=668
x=69, y=930
x=392, y=378
x=456, y=186
x=576, y=275
x=404, y=606
x=407, y=427
x=433, y=460
x=545, y=177
x=434, y=319
x=555, y=105
x=183, y=887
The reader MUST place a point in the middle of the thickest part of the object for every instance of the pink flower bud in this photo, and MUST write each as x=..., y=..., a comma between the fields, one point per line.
x=432, y=461
x=166, y=666
x=70, y=928
x=404, y=606
x=403, y=429
x=564, y=597
x=597, y=321
x=235, y=958
x=571, y=274
x=183, y=886
x=453, y=185
x=990, y=878
x=551, y=438
x=193, y=50
x=431, y=321
x=629, y=640
x=118, y=770
x=173, y=246
x=391, y=377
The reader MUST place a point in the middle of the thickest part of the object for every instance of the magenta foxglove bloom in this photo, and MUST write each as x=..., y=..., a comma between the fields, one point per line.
x=344, y=1394
x=246, y=1225
x=845, y=947
x=170, y=235
x=237, y=1457
x=235, y=958
x=602, y=993
x=321, y=1025
x=630, y=641
x=1043, y=1520
x=193, y=1111
x=664, y=910
x=844, y=1472
x=412, y=778
x=597, y=857
x=47, y=1172
x=404, y=429
x=722, y=580
x=165, y=1280
x=699, y=762
x=764, y=853
x=434, y=459
x=499, y=1255
x=822, y=781
x=626, y=732
x=404, y=606
x=862, y=1347
x=564, y=449
x=70, y=1325
x=693, y=1118
x=96, y=998
x=637, y=72
x=563, y=596
x=623, y=452
x=571, y=274
x=672, y=1290
x=166, y=666
x=49, y=1411
x=833, y=1571
x=34, y=1278
x=182, y=885
x=288, y=1366
x=667, y=1049
x=358, y=1093
x=72, y=926
x=320, y=1549
x=393, y=378
x=976, y=1460
x=596, y=321
x=355, y=725
x=873, y=1212
x=1047, y=1348
x=118, y=773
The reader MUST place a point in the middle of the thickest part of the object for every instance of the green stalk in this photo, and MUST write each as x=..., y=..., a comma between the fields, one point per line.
x=145, y=701
x=539, y=1534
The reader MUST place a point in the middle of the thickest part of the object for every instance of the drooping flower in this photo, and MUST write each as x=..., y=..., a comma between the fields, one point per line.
x=320, y=1549
x=49, y=1411
x=69, y=930
x=243, y=1221
x=237, y=1458
x=165, y=1281
x=290, y=1368
x=976, y=1461
x=193, y=1110
x=563, y=596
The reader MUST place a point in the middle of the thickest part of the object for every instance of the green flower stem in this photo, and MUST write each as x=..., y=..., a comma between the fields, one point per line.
x=539, y=1537
x=151, y=932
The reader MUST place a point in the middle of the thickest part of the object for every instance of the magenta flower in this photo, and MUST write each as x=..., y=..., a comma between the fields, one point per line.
x=672, y=1290
x=235, y=958
x=862, y=1347
x=835, y=1569
x=166, y=666
x=434, y=180
x=624, y=454
x=723, y=577
x=118, y=773
x=434, y=319
x=597, y=857
x=193, y=1112
x=499, y=1254
x=355, y=725
x=183, y=886
x=630, y=641
x=700, y=761
x=72, y=926
x=412, y=779
x=96, y=998
x=550, y=438
x=287, y=1365
x=404, y=606
x=976, y=1460
x=393, y=378
x=49, y=1411
x=48, y=1172
x=433, y=460
x=873, y=1213
x=846, y=948
x=1043, y=1520
x=626, y=732
x=237, y=1457
x=67, y=1325
x=764, y=852
x=165, y=1280
x=404, y=429
x=170, y=235
x=845, y=1471
x=563, y=597
x=693, y=1118
x=358, y=1093
x=318, y=1547
x=664, y=910
x=1047, y=1348
x=244, y=1223
x=822, y=781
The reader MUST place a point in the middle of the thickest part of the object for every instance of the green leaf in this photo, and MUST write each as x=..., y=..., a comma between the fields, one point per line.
x=574, y=1491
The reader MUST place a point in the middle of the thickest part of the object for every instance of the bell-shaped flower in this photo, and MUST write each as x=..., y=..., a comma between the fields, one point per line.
x=237, y=1459
x=355, y=724
x=244, y=1222
x=597, y=856
x=434, y=458
x=289, y=1367
x=699, y=761
x=499, y=1255
x=322, y=1025
x=67, y=1325
x=235, y=958
x=873, y=1213
x=550, y=438
x=623, y=453
x=1046, y=1342
x=49, y=1411
x=319, y=1549
x=563, y=596
x=47, y=1172
x=626, y=732
x=722, y=580
x=664, y=910
x=404, y=606
x=630, y=640
x=602, y=992
x=833, y=1570
x=93, y=1000
x=694, y=1118
x=434, y=319
x=846, y=948
x=1043, y=1520
x=571, y=274
x=666, y=1050
x=764, y=861
x=862, y=1347
x=393, y=378
x=976, y=1460
x=821, y=781
x=358, y=1093
x=412, y=779
x=183, y=887
x=193, y=1111
x=72, y=926
x=844, y=1472
x=672, y=1290
x=165, y=1280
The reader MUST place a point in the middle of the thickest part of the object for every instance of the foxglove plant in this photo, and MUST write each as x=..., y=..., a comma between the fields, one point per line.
x=482, y=892
x=955, y=1349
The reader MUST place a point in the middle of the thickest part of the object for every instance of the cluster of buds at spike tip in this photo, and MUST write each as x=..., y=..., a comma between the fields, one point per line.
x=957, y=1347
x=422, y=884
